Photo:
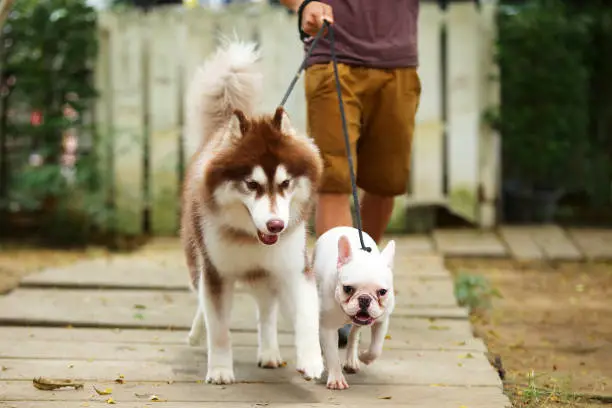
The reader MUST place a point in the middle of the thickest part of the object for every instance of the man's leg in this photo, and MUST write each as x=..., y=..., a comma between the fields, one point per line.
x=333, y=210
x=376, y=212
x=386, y=144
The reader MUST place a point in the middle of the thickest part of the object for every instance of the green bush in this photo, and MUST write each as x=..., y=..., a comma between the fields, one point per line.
x=48, y=52
x=544, y=114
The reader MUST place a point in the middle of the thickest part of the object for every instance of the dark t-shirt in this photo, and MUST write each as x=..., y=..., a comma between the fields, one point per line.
x=372, y=33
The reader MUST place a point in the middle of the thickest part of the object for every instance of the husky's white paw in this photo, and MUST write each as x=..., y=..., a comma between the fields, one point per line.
x=367, y=357
x=270, y=358
x=351, y=365
x=311, y=368
x=220, y=375
x=337, y=382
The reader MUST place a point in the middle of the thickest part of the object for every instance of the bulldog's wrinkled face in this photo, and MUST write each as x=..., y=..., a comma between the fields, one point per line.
x=365, y=282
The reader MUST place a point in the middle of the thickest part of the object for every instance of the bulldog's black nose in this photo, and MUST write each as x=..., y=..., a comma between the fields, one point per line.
x=364, y=302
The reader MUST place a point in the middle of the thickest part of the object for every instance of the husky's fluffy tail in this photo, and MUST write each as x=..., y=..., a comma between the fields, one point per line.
x=228, y=80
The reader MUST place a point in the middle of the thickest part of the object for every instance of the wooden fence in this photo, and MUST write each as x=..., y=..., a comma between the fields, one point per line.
x=147, y=60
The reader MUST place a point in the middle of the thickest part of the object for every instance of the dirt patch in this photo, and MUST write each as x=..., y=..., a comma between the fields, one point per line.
x=552, y=328
x=17, y=261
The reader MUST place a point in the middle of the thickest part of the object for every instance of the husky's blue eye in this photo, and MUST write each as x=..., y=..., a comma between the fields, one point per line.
x=347, y=289
x=382, y=292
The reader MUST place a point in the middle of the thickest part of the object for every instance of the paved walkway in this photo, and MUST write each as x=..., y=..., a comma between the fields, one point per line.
x=121, y=323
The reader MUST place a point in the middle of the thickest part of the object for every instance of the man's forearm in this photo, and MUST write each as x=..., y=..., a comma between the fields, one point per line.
x=292, y=5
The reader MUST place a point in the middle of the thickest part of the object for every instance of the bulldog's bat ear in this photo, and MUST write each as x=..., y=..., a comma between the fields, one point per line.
x=388, y=254
x=345, y=253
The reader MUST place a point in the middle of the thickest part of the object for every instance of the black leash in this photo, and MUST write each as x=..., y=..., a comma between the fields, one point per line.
x=347, y=142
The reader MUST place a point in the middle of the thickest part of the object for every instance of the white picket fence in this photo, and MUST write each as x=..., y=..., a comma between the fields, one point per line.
x=146, y=61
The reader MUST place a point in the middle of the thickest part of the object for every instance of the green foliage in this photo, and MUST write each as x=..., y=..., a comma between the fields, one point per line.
x=544, y=113
x=48, y=54
x=474, y=291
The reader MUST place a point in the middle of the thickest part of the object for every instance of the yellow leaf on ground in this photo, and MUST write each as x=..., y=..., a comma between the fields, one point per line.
x=110, y=401
x=106, y=391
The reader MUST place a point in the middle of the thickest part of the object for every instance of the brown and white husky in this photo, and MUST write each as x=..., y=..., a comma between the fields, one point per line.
x=247, y=195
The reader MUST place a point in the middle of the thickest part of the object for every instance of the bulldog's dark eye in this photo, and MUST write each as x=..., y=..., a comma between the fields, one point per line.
x=382, y=292
x=348, y=289
x=252, y=185
x=285, y=184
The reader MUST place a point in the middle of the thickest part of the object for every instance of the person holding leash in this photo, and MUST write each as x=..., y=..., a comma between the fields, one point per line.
x=377, y=53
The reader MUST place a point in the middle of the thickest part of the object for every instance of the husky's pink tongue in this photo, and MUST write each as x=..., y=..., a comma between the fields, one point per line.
x=267, y=239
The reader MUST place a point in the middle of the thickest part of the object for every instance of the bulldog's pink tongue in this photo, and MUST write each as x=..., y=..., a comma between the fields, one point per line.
x=267, y=239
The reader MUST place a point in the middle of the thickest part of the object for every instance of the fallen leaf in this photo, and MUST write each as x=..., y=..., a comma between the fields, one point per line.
x=4, y=368
x=388, y=337
x=468, y=355
x=161, y=350
x=110, y=401
x=460, y=364
x=385, y=398
x=106, y=391
x=155, y=398
x=139, y=306
x=461, y=343
x=138, y=316
x=70, y=365
x=48, y=384
x=436, y=327
x=120, y=379
x=85, y=404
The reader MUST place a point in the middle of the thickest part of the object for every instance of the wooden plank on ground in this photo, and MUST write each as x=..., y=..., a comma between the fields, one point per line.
x=297, y=394
x=410, y=367
x=551, y=241
x=164, y=98
x=595, y=244
x=168, y=271
x=128, y=114
x=417, y=334
x=427, y=175
x=469, y=242
x=409, y=245
x=162, y=309
x=521, y=244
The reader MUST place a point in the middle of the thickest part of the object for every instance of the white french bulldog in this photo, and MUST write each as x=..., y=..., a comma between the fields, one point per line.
x=355, y=287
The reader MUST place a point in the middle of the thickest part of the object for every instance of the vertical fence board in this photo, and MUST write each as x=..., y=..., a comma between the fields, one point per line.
x=282, y=53
x=104, y=110
x=428, y=145
x=463, y=108
x=128, y=127
x=198, y=45
x=490, y=151
x=164, y=84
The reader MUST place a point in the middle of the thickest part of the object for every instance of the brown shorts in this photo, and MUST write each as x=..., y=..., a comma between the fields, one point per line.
x=380, y=107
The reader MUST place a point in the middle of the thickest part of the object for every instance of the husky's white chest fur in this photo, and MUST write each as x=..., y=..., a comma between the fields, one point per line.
x=235, y=259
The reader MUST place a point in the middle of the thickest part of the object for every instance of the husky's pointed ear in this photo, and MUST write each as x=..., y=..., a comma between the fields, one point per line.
x=282, y=122
x=345, y=254
x=388, y=254
x=239, y=124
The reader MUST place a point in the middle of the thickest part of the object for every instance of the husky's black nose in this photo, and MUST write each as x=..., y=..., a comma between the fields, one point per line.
x=364, y=302
x=275, y=226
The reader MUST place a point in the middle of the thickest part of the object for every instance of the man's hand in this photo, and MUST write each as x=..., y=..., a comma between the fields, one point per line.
x=313, y=16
